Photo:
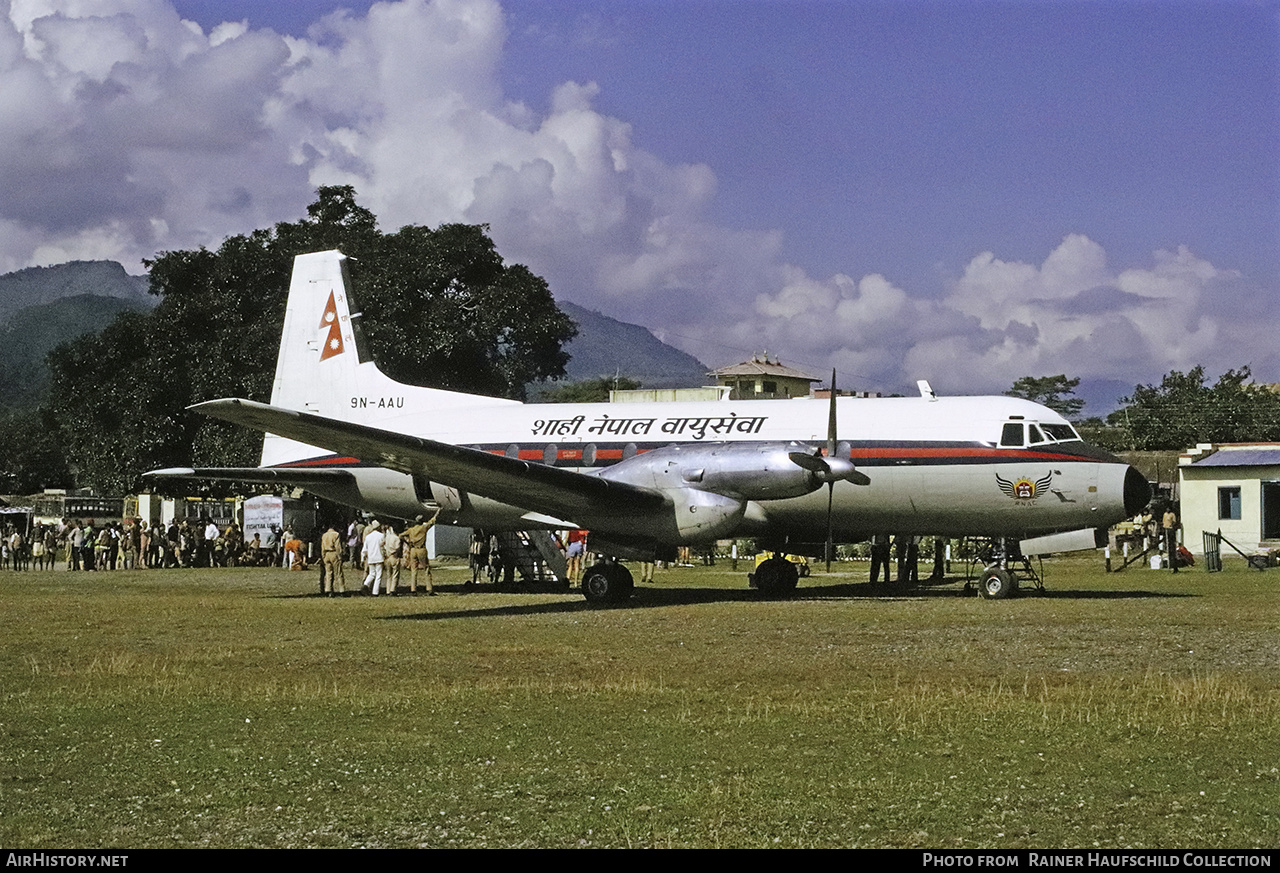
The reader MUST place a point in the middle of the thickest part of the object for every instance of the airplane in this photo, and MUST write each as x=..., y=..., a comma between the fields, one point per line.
x=647, y=478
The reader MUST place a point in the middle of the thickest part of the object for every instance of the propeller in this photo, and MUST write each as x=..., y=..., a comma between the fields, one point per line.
x=830, y=469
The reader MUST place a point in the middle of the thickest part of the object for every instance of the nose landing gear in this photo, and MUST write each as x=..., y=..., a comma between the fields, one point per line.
x=1006, y=570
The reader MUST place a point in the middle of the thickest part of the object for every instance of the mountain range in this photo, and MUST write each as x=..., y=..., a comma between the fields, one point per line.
x=40, y=285
x=605, y=346
x=43, y=307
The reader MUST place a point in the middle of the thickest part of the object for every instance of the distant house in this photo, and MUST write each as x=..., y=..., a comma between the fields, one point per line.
x=1234, y=488
x=668, y=395
x=763, y=379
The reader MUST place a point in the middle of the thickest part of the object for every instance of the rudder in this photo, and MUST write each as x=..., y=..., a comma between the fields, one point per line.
x=324, y=366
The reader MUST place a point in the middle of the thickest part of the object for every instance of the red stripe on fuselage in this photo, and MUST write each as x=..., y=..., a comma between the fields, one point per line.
x=324, y=462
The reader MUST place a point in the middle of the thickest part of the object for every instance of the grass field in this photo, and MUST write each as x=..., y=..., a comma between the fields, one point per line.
x=236, y=708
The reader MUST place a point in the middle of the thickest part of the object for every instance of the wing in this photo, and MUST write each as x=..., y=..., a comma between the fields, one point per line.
x=550, y=490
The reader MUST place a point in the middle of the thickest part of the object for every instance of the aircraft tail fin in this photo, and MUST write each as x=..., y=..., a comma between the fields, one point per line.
x=324, y=366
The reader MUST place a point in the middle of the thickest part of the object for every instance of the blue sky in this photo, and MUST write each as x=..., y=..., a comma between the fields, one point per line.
x=961, y=191
x=879, y=136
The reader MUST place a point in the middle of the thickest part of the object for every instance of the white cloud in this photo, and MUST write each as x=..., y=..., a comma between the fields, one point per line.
x=125, y=130
x=120, y=118
x=1072, y=314
x=999, y=321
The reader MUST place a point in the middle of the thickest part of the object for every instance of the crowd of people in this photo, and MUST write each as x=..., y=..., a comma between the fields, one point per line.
x=374, y=548
x=83, y=544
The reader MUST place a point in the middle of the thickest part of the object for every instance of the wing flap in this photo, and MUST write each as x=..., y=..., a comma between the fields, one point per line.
x=543, y=489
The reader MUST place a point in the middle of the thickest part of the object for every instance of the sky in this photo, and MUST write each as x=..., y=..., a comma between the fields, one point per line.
x=964, y=191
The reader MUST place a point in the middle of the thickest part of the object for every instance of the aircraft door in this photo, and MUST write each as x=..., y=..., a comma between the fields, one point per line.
x=1075, y=486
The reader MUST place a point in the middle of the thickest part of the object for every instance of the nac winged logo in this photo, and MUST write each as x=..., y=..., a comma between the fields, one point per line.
x=333, y=342
x=1023, y=488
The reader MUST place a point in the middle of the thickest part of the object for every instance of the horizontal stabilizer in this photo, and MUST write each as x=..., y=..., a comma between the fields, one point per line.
x=298, y=476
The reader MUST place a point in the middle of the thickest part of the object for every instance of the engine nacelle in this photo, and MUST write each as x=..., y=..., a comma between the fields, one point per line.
x=736, y=470
x=703, y=515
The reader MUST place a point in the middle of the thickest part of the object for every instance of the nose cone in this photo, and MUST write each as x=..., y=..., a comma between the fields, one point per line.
x=1137, y=492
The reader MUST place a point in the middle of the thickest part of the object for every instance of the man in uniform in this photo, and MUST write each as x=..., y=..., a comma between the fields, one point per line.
x=331, y=555
x=391, y=550
x=415, y=543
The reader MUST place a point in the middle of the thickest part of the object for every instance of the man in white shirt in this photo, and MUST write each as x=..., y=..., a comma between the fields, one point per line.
x=210, y=535
x=372, y=554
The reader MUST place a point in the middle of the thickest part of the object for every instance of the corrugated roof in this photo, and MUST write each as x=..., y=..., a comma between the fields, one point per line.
x=1259, y=457
x=763, y=368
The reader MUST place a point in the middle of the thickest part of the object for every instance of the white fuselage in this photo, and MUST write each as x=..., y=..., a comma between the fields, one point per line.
x=935, y=466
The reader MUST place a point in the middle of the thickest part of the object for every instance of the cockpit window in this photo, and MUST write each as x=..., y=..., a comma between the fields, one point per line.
x=1061, y=433
x=1018, y=434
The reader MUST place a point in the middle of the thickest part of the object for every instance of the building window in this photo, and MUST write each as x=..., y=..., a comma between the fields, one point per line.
x=1229, y=504
x=770, y=387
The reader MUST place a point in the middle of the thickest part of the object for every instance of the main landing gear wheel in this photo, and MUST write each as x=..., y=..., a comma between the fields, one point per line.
x=776, y=577
x=607, y=583
x=996, y=584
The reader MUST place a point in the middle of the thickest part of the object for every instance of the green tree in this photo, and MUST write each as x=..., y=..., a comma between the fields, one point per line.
x=1182, y=411
x=1050, y=391
x=1110, y=433
x=30, y=457
x=440, y=308
x=587, y=391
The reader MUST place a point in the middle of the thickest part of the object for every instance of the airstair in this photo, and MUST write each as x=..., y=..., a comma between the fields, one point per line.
x=534, y=555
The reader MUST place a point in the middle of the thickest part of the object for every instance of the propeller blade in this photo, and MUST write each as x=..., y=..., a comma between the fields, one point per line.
x=829, y=469
x=831, y=418
x=831, y=493
x=831, y=453
x=812, y=463
x=857, y=477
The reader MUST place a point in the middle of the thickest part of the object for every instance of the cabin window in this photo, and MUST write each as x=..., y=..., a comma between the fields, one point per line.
x=1012, y=434
x=1229, y=504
